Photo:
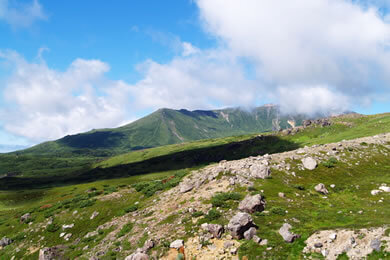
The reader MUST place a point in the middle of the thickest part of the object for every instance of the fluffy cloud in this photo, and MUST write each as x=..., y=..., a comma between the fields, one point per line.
x=46, y=104
x=21, y=14
x=337, y=43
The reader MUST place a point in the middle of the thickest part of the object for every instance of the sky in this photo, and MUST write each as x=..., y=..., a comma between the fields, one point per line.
x=71, y=66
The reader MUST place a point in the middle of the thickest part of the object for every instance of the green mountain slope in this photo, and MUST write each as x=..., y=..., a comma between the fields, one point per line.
x=168, y=126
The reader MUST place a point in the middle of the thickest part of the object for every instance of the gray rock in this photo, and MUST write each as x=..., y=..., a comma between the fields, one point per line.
x=256, y=239
x=309, y=163
x=321, y=188
x=137, y=256
x=91, y=234
x=25, y=217
x=248, y=235
x=240, y=223
x=281, y=195
x=284, y=231
x=216, y=230
x=259, y=171
x=264, y=242
x=5, y=241
x=318, y=245
x=51, y=253
x=186, y=187
x=177, y=244
x=228, y=244
x=376, y=244
x=94, y=215
x=149, y=244
x=67, y=226
x=252, y=204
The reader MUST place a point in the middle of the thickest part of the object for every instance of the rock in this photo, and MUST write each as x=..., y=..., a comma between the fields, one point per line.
x=240, y=223
x=376, y=244
x=284, y=231
x=233, y=250
x=375, y=192
x=324, y=252
x=62, y=234
x=264, y=242
x=91, y=234
x=251, y=204
x=216, y=230
x=94, y=215
x=321, y=188
x=248, y=235
x=228, y=244
x=25, y=217
x=51, y=253
x=332, y=186
x=177, y=244
x=149, y=244
x=281, y=195
x=256, y=239
x=259, y=171
x=137, y=256
x=318, y=245
x=309, y=163
x=186, y=187
x=385, y=188
x=67, y=236
x=205, y=226
x=333, y=236
x=67, y=226
x=5, y=241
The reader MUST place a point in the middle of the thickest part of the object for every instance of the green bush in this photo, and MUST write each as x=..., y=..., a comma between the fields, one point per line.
x=87, y=203
x=131, y=208
x=197, y=214
x=220, y=199
x=212, y=215
x=125, y=229
x=52, y=227
x=278, y=211
x=330, y=163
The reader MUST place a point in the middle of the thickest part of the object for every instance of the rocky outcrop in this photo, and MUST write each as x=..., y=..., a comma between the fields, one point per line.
x=240, y=223
x=284, y=231
x=252, y=204
x=215, y=229
x=51, y=253
x=260, y=171
x=321, y=188
x=25, y=218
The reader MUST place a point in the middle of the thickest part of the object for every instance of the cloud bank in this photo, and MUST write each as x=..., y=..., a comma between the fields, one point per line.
x=21, y=14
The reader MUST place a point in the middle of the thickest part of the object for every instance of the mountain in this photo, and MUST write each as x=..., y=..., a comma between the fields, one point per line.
x=168, y=126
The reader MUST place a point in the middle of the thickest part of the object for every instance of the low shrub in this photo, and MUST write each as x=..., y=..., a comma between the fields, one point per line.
x=125, y=229
x=220, y=199
x=330, y=163
x=278, y=211
x=53, y=227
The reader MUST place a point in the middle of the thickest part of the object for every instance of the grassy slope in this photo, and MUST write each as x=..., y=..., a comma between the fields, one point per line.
x=313, y=212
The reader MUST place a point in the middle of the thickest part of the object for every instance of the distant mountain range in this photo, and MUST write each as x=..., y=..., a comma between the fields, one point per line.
x=168, y=126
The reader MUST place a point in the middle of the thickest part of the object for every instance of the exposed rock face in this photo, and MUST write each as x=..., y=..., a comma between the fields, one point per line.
x=25, y=217
x=177, y=244
x=186, y=187
x=252, y=204
x=284, y=231
x=5, y=241
x=309, y=163
x=321, y=188
x=240, y=223
x=137, y=256
x=215, y=229
x=322, y=122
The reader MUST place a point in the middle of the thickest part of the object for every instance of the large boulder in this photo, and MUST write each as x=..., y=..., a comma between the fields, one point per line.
x=284, y=231
x=240, y=223
x=177, y=244
x=252, y=204
x=260, y=171
x=137, y=256
x=321, y=188
x=5, y=241
x=51, y=253
x=186, y=187
x=250, y=233
x=309, y=163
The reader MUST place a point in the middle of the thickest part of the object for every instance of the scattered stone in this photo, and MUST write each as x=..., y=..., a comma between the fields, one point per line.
x=240, y=223
x=67, y=236
x=91, y=234
x=332, y=186
x=233, y=250
x=256, y=239
x=284, y=231
x=251, y=204
x=149, y=244
x=321, y=188
x=375, y=192
x=248, y=235
x=137, y=256
x=5, y=241
x=177, y=244
x=385, y=188
x=51, y=253
x=260, y=171
x=264, y=242
x=376, y=244
x=25, y=217
x=186, y=187
x=333, y=236
x=67, y=226
x=281, y=195
x=62, y=234
x=318, y=245
x=94, y=215
x=309, y=163
x=216, y=230
x=228, y=244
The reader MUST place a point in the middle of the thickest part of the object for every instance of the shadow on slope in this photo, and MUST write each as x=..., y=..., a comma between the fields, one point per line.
x=181, y=160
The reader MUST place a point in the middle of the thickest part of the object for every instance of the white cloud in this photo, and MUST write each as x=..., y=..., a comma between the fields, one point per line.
x=46, y=104
x=337, y=44
x=21, y=14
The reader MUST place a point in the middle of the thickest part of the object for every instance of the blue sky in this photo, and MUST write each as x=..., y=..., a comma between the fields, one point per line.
x=71, y=66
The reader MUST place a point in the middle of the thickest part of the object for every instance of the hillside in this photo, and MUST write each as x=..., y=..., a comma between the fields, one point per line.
x=337, y=206
x=168, y=126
